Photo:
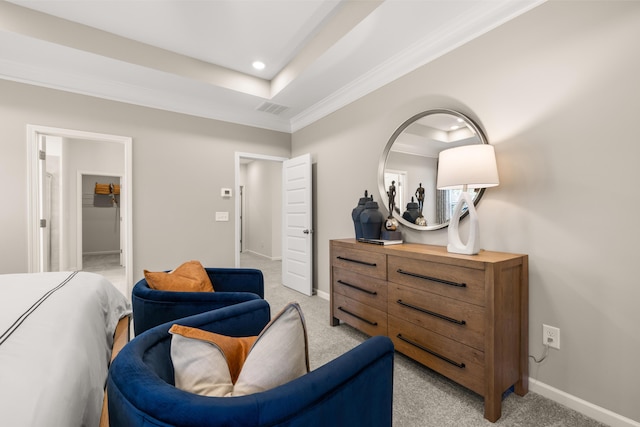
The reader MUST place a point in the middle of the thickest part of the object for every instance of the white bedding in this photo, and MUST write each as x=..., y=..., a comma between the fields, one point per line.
x=56, y=334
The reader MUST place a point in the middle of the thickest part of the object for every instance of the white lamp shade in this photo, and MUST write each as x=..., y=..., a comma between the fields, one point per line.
x=470, y=165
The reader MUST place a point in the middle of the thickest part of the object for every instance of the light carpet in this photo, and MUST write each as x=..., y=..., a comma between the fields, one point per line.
x=421, y=397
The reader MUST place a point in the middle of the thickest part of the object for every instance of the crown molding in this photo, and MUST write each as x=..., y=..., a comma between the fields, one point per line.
x=413, y=57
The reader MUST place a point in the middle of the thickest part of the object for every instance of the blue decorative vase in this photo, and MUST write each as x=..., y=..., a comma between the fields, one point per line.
x=371, y=219
x=412, y=213
x=355, y=213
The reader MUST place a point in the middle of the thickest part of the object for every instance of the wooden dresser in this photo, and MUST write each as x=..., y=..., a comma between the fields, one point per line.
x=464, y=316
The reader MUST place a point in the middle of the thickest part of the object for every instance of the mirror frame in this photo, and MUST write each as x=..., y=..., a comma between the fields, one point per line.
x=387, y=150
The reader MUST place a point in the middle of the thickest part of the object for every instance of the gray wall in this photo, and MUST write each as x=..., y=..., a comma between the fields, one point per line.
x=80, y=156
x=263, y=208
x=100, y=225
x=557, y=91
x=179, y=165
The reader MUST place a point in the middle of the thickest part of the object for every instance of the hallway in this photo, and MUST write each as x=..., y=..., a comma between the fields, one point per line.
x=109, y=266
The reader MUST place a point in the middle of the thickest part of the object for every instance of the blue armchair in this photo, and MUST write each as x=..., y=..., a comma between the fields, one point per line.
x=232, y=286
x=355, y=389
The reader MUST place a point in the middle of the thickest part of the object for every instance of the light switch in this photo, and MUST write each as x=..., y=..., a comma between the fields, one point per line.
x=222, y=216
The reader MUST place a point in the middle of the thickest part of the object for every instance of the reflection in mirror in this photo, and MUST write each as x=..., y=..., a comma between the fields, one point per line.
x=411, y=160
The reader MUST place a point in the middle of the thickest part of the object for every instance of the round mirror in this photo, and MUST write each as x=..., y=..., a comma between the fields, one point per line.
x=409, y=167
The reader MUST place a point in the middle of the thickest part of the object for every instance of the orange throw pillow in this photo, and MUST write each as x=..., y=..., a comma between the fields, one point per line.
x=189, y=277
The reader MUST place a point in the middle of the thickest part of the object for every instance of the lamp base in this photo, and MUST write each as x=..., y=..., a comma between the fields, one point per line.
x=455, y=243
x=463, y=250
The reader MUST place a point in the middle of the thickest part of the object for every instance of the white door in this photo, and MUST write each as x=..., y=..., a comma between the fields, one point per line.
x=297, y=239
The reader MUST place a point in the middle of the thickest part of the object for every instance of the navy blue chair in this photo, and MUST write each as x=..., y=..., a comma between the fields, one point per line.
x=355, y=389
x=232, y=286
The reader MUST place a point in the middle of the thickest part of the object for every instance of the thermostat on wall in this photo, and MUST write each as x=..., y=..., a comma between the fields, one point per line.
x=225, y=192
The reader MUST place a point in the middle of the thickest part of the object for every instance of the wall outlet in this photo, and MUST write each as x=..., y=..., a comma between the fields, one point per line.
x=551, y=336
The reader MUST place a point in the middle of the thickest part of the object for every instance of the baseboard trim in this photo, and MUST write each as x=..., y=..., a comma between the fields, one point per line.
x=322, y=294
x=596, y=412
x=102, y=252
x=588, y=409
x=270, y=258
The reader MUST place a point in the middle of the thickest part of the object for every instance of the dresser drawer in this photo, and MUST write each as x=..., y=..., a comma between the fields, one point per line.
x=465, y=317
x=462, y=283
x=365, y=289
x=455, y=319
x=368, y=263
x=369, y=320
x=461, y=363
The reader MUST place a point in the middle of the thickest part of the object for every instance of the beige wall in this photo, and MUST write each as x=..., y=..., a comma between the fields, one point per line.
x=100, y=225
x=263, y=208
x=179, y=165
x=557, y=91
x=81, y=156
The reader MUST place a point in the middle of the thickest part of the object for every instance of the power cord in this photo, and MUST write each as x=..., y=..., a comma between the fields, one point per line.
x=544, y=356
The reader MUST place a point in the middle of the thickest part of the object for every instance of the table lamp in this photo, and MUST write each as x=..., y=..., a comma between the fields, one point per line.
x=466, y=167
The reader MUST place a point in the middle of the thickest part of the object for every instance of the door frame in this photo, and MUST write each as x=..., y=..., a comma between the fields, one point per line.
x=240, y=216
x=238, y=156
x=33, y=133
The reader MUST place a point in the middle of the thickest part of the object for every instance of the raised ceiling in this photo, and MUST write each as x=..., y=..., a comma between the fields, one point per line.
x=194, y=57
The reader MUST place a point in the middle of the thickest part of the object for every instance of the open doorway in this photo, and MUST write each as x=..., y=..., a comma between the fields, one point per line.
x=55, y=241
x=284, y=215
x=258, y=218
x=100, y=239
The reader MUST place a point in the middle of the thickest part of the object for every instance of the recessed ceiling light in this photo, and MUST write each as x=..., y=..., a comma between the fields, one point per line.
x=258, y=65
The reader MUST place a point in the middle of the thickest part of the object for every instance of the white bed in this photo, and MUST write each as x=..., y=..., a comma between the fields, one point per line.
x=56, y=338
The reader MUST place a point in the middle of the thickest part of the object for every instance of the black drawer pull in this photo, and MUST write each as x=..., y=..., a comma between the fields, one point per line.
x=358, y=288
x=370, y=264
x=358, y=317
x=431, y=313
x=433, y=279
x=439, y=356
